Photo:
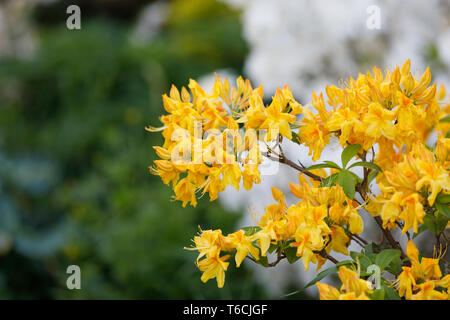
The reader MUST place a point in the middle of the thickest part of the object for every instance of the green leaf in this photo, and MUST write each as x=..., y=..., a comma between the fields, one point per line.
x=318, y=166
x=272, y=248
x=332, y=164
x=263, y=261
x=371, y=248
x=365, y=164
x=395, y=267
x=377, y=294
x=358, y=179
x=249, y=231
x=295, y=138
x=390, y=293
x=443, y=198
x=364, y=261
x=435, y=224
x=329, y=181
x=347, y=181
x=385, y=257
x=445, y=119
x=321, y=275
x=443, y=208
x=349, y=152
x=291, y=254
x=372, y=176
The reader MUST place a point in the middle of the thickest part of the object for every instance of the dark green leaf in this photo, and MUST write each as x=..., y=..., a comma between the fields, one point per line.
x=263, y=261
x=249, y=231
x=435, y=224
x=272, y=248
x=365, y=164
x=295, y=138
x=347, y=181
x=322, y=275
x=385, y=257
x=318, y=166
x=291, y=254
x=358, y=179
x=377, y=294
x=395, y=267
x=332, y=164
x=349, y=152
x=372, y=176
x=445, y=119
x=443, y=198
x=390, y=293
x=329, y=181
x=443, y=209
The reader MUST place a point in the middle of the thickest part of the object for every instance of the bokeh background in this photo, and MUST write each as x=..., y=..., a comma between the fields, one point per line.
x=74, y=155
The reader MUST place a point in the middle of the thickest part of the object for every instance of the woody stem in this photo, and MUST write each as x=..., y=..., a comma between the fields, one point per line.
x=292, y=164
x=387, y=234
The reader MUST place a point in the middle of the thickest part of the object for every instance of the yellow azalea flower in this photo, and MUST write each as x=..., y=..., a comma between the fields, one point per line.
x=427, y=292
x=256, y=113
x=214, y=266
x=413, y=212
x=353, y=288
x=345, y=120
x=307, y=240
x=443, y=150
x=208, y=241
x=435, y=177
x=264, y=237
x=185, y=192
x=327, y=292
x=431, y=269
x=274, y=212
x=313, y=133
x=444, y=282
x=243, y=245
x=277, y=121
x=211, y=142
x=339, y=240
x=231, y=175
x=405, y=282
x=378, y=122
x=353, y=296
x=352, y=283
x=412, y=278
x=250, y=175
x=213, y=184
x=166, y=170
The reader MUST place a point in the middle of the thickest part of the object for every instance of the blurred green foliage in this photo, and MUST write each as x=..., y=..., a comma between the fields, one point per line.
x=74, y=183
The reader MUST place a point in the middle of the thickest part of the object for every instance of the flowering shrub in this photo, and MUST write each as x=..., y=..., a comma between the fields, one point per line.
x=213, y=140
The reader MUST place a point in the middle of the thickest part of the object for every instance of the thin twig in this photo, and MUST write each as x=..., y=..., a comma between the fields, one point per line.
x=292, y=165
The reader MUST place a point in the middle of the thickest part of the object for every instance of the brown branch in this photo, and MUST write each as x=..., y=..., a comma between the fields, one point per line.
x=292, y=164
x=387, y=234
x=272, y=264
x=360, y=239
x=327, y=256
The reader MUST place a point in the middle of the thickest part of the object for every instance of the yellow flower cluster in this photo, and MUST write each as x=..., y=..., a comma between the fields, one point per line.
x=204, y=150
x=394, y=109
x=321, y=222
x=216, y=139
x=420, y=281
x=353, y=288
x=210, y=244
x=412, y=183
